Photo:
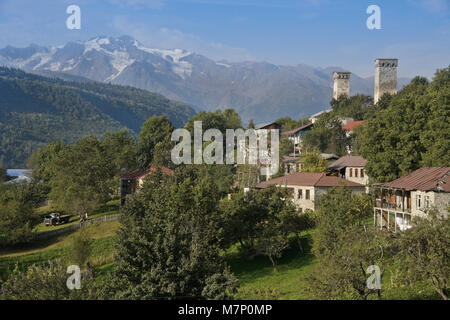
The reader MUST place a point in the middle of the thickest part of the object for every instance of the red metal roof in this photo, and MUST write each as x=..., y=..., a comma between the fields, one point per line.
x=142, y=174
x=308, y=179
x=423, y=179
x=352, y=125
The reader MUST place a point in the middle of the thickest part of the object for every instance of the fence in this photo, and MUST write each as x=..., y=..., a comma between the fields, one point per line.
x=73, y=227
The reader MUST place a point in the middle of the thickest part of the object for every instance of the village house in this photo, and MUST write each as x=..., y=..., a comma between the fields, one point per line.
x=307, y=187
x=131, y=182
x=351, y=168
x=396, y=203
x=296, y=135
x=317, y=115
x=267, y=126
x=293, y=163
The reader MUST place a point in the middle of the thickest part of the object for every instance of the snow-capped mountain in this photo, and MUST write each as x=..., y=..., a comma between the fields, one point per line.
x=257, y=90
x=100, y=59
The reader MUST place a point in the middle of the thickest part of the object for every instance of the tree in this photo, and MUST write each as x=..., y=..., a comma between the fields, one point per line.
x=326, y=136
x=260, y=221
x=412, y=132
x=358, y=107
x=42, y=161
x=221, y=175
x=344, y=272
x=81, y=248
x=154, y=139
x=345, y=247
x=228, y=119
x=17, y=217
x=83, y=177
x=355, y=140
x=3, y=175
x=48, y=282
x=121, y=148
x=425, y=251
x=313, y=162
x=168, y=246
x=16, y=222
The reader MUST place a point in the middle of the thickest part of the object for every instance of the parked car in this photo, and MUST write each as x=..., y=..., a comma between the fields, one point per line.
x=55, y=218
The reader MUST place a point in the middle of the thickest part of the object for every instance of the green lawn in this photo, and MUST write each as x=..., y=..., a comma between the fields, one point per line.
x=258, y=279
x=104, y=235
x=110, y=208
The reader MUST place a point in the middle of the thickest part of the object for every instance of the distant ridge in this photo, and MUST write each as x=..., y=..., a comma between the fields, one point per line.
x=257, y=90
x=35, y=110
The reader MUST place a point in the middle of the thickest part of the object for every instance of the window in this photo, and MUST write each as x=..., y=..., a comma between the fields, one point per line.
x=419, y=201
x=307, y=195
x=356, y=173
x=362, y=173
x=427, y=201
x=300, y=193
x=351, y=171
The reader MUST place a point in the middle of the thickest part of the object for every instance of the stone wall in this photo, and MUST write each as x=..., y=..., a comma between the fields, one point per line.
x=341, y=84
x=385, y=77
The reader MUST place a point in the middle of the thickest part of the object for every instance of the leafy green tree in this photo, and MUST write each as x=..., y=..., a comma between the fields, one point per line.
x=155, y=142
x=83, y=177
x=221, y=175
x=412, y=132
x=3, y=175
x=121, y=148
x=425, y=251
x=326, y=136
x=228, y=119
x=251, y=124
x=345, y=247
x=355, y=140
x=344, y=272
x=81, y=248
x=42, y=161
x=48, y=282
x=313, y=162
x=168, y=246
x=260, y=221
x=436, y=133
x=16, y=222
x=17, y=216
x=356, y=107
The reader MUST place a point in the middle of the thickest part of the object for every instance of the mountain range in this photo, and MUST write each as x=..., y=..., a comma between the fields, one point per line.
x=35, y=110
x=256, y=90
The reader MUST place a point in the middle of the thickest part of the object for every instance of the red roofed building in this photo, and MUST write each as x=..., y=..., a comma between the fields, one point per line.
x=399, y=201
x=349, y=127
x=131, y=182
x=307, y=187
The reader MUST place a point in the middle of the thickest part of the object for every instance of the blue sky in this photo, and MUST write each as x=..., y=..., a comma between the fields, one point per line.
x=319, y=33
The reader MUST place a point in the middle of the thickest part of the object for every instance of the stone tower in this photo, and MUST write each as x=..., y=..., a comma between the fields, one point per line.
x=341, y=84
x=385, y=77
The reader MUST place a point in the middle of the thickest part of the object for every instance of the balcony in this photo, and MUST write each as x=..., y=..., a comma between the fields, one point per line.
x=383, y=204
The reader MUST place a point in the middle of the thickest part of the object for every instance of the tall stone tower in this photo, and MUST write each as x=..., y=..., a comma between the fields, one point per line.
x=385, y=77
x=341, y=84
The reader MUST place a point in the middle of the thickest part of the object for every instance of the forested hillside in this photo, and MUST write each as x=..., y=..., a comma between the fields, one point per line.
x=35, y=110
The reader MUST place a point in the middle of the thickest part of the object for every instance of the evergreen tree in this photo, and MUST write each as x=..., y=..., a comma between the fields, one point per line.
x=168, y=247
